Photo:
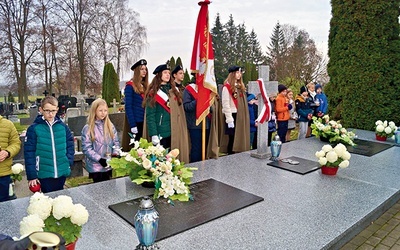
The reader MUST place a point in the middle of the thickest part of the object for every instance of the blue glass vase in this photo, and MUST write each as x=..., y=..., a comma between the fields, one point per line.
x=397, y=136
x=276, y=146
x=146, y=222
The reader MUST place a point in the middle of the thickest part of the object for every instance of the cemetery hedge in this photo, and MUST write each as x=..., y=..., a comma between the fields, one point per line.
x=110, y=84
x=364, y=66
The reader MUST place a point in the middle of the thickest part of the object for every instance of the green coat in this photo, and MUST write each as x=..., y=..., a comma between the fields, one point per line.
x=9, y=140
x=158, y=120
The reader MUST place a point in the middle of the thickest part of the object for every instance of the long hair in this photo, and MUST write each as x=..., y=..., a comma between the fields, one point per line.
x=151, y=92
x=140, y=83
x=108, y=131
x=231, y=79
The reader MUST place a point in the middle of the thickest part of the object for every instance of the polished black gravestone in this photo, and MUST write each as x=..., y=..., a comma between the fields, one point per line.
x=212, y=199
x=367, y=148
x=303, y=167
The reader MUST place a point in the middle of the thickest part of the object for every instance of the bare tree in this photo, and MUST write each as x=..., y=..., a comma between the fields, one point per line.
x=17, y=27
x=78, y=15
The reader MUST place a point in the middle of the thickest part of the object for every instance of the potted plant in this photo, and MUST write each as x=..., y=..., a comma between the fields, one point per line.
x=331, y=131
x=58, y=215
x=384, y=129
x=146, y=163
x=331, y=158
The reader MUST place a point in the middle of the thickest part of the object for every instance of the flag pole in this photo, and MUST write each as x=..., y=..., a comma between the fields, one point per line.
x=203, y=140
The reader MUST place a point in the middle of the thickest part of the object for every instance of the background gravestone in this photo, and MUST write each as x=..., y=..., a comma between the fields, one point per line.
x=33, y=112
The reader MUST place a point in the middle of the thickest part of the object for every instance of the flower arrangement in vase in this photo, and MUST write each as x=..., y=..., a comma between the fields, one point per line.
x=58, y=215
x=146, y=163
x=331, y=158
x=17, y=169
x=332, y=131
x=384, y=129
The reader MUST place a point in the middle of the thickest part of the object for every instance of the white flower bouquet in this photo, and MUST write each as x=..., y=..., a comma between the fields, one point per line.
x=332, y=130
x=334, y=157
x=58, y=215
x=385, y=128
x=146, y=163
x=17, y=169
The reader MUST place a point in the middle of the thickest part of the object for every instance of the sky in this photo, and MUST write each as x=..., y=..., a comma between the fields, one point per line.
x=171, y=24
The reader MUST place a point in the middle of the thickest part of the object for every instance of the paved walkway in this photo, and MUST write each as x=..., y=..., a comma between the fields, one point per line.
x=383, y=233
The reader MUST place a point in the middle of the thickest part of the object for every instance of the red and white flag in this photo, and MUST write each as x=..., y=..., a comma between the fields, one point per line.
x=203, y=64
x=265, y=113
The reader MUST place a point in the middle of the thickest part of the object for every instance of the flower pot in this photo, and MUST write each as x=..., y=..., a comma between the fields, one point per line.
x=329, y=170
x=71, y=246
x=381, y=138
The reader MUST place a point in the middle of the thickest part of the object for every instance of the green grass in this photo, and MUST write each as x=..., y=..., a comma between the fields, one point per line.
x=77, y=181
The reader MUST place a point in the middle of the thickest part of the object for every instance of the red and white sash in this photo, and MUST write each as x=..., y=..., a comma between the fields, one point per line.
x=162, y=99
x=228, y=87
x=192, y=89
x=265, y=114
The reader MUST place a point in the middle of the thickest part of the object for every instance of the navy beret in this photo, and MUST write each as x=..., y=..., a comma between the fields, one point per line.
x=235, y=68
x=281, y=88
x=140, y=62
x=160, y=68
x=177, y=68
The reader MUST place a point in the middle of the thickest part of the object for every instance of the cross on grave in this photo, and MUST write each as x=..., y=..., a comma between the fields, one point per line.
x=114, y=104
x=45, y=93
x=262, y=129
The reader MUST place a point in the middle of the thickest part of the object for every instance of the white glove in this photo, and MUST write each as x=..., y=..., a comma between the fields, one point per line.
x=155, y=140
x=231, y=125
x=134, y=130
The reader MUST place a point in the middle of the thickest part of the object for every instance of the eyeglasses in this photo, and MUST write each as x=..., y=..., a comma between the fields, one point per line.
x=48, y=111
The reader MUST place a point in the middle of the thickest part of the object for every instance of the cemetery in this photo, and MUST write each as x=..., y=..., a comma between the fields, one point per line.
x=241, y=200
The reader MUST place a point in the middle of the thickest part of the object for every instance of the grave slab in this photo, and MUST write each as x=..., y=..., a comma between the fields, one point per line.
x=303, y=167
x=212, y=199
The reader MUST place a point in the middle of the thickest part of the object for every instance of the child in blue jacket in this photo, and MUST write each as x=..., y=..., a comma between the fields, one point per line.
x=322, y=109
x=48, y=149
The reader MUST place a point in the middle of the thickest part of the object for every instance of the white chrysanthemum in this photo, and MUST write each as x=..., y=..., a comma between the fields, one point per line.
x=147, y=164
x=378, y=122
x=320, y=126
x=346, y=156
x=343, y=130
x=392, y=124
x=40, y=205
x=380, y=128
x=62, y=207
x=340, y=126
x=388, y=130
x=79, y=215
x=320, y=153
x=344, y=164
x=385, y=123
x=340, y=149
x=17, y=168
x=331, y=156
x=327, y=128
x=322, y=161
x=337, y=131
x=326, y=148
x=129, y=158
x=29, y=224
x=177, y=162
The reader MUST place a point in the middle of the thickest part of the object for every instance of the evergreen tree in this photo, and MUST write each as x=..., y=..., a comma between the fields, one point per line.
x=172, y=63
x=256, y=55
x=242, y=45
x=110, y=84
x=364, y=66
x=276, y=50
x=219, y=45
x=231, y=40
x=179, y=62
x=186, y=78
